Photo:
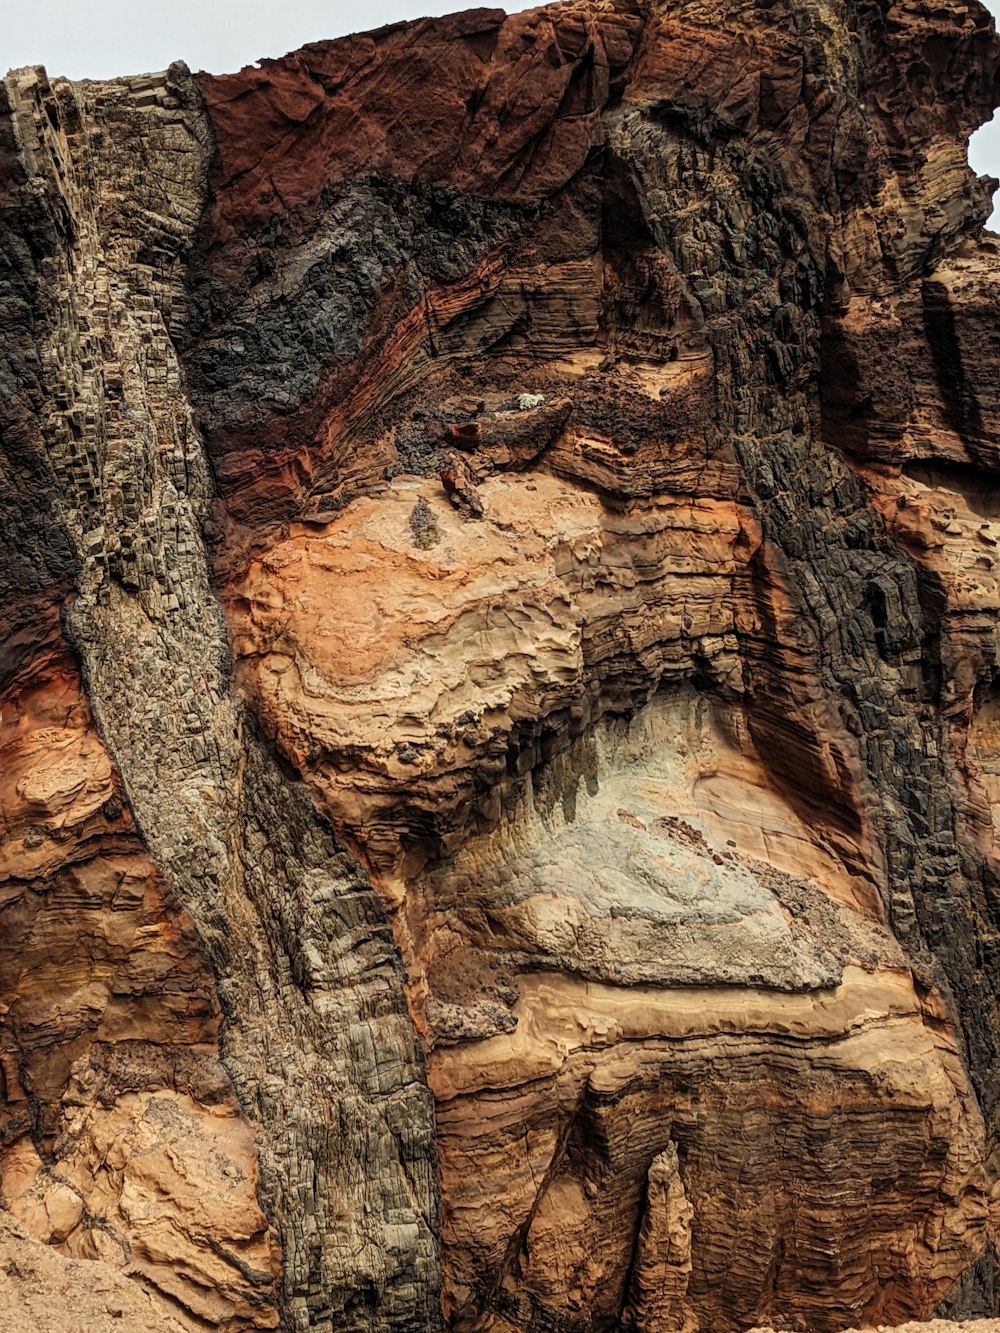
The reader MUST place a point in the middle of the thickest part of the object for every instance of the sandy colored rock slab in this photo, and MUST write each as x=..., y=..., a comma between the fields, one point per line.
x=375, y=659
x=162, y=1175
x=43, y=1291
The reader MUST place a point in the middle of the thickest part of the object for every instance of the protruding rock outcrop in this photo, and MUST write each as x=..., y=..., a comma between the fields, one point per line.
x=500, y=727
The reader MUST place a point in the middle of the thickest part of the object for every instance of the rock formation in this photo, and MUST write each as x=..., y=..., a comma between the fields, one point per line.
x=500, y=785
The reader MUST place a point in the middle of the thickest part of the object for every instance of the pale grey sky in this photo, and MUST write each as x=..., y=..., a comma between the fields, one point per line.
x=96, y=39
x=100, y=38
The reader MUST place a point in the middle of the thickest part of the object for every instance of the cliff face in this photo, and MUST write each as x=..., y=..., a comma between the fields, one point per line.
x=500, y=722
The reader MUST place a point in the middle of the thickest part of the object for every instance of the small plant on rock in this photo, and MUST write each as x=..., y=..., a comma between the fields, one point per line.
x=422, y=525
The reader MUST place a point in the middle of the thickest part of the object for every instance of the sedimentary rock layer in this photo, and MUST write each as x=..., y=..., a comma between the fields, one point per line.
x=499, y=648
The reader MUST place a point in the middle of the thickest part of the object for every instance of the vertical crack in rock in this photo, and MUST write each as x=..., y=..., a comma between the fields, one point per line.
x=317, y=1036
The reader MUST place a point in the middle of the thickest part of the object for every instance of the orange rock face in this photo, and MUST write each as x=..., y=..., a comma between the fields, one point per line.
x=122, y=1138
x=521, y=496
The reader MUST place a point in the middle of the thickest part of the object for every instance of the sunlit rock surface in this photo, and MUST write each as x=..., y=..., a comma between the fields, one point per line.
x=500, y=733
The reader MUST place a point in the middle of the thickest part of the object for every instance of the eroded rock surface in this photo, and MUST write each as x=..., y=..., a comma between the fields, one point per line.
x=500, y=653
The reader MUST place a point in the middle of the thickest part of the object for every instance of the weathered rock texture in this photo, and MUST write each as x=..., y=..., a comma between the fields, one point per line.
x=317, y=1044
x=499, y=673
x=925, y=1326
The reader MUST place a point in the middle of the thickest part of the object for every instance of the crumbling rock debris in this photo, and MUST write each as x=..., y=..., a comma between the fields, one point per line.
x=924, y=1326
x=583, y=917
x=460, y=488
